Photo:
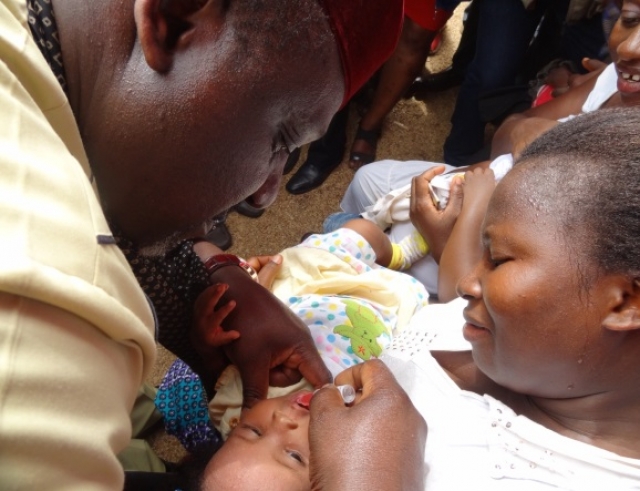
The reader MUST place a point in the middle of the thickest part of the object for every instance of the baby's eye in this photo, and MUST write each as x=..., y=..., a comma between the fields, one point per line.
x=252, y=429
x=296, y=456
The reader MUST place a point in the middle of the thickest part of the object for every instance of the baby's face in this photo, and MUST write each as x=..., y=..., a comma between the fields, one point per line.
x=269, y=449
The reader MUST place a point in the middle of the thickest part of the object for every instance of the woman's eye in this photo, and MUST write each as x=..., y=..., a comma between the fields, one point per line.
x=497, y=261
x=629, y=19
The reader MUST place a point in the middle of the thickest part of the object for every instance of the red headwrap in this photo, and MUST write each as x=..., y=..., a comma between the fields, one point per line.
x=366, y=32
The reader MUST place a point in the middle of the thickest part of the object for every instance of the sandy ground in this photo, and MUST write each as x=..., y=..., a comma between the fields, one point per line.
x=414, y=130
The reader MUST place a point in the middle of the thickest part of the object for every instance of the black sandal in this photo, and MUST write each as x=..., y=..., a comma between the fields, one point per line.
x=358, y=159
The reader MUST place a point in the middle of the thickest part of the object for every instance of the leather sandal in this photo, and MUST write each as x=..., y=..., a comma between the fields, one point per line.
x=358, y=159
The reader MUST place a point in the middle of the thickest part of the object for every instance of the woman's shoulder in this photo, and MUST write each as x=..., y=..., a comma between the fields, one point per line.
x=461, y=368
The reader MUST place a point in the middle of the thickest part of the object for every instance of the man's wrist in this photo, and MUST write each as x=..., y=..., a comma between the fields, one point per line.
x=215, y=263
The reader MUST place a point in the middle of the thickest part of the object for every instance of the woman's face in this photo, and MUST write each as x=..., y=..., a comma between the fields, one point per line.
x=624, y=46
x=268, y=449
x=535, y=326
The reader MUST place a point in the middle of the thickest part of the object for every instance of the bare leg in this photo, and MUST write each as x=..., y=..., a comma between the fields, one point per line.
x=396, y=76
x=377, y=239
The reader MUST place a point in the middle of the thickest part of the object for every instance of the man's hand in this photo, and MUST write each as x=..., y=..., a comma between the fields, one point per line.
x=433, y=224
x=274, y=347
x=381, y=438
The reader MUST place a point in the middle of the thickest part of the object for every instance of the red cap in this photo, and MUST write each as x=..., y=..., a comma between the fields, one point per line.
x=367, y=32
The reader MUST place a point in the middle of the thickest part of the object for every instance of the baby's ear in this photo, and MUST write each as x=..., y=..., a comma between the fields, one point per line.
x=625, y=314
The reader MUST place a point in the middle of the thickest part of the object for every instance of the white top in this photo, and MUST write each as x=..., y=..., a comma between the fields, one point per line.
x=477, y=442
x=606, y=86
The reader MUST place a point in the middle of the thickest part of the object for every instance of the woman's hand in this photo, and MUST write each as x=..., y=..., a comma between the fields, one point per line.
x=377, y=444
x=434, y=225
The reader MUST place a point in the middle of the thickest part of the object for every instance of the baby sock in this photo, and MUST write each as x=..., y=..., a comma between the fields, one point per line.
x=408, y=251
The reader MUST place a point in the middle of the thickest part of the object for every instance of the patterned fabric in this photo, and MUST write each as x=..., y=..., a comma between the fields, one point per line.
x=183, y=403
x=44, y=30
x=172, y=283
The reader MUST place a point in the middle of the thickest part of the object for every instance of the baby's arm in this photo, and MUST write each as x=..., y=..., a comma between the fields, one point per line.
x=463, y=249
x=208, y=320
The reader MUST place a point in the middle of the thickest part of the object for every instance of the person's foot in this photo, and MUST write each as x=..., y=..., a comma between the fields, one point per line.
x=308, y=177
x=363, y=150
x=248, y=210
x=220, y=236
x=436, y=82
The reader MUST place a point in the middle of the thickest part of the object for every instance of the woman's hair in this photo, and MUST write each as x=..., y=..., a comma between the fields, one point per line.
x=586, y=172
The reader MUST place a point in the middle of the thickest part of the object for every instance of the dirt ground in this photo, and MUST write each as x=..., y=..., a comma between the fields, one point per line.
x=415, y=130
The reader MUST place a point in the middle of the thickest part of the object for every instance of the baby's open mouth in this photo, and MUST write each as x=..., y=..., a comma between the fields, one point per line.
x=304, y=399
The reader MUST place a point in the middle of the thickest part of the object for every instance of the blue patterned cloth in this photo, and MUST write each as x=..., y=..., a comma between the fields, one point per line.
x=182, y=400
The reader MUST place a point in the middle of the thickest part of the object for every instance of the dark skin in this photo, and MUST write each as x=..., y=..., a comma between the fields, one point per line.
x=518, y=130
x=163, y=121
x=334, y=425
x=396, y=76
x=452, y=232
x=218, y=323
x=154, y=89
x=571, y=369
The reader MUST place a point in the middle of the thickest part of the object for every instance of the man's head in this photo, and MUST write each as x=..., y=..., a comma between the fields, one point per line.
x=187, y=107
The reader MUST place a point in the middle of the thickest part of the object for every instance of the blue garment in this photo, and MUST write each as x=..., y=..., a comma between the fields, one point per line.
x=182, y=400
x=505, y=29
x=337, y=220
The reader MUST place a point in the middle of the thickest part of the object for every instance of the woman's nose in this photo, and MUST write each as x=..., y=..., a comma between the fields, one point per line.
x=629, y=49
x=468, y=286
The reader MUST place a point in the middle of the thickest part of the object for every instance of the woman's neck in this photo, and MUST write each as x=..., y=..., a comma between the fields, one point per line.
x=608, y=420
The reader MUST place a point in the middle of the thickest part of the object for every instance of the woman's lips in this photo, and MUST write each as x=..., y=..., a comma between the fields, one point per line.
x=628, y=81
x=472, y=332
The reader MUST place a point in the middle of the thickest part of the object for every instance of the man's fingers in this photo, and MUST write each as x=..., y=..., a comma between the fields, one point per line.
x=269, y=271
x=327, y=399
x=255, y=381
x=282, y=376
x=313, y=368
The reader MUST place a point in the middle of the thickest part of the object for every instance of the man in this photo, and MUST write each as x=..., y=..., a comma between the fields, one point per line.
x=175, y=111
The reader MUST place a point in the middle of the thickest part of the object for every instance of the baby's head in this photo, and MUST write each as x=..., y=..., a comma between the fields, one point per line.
x=268, y=449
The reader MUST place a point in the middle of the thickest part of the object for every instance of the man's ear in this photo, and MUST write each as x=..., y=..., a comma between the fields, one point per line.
x=625, y=311
x=162, y=26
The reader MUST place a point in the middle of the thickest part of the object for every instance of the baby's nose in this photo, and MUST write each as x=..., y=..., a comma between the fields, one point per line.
x=282, y=419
